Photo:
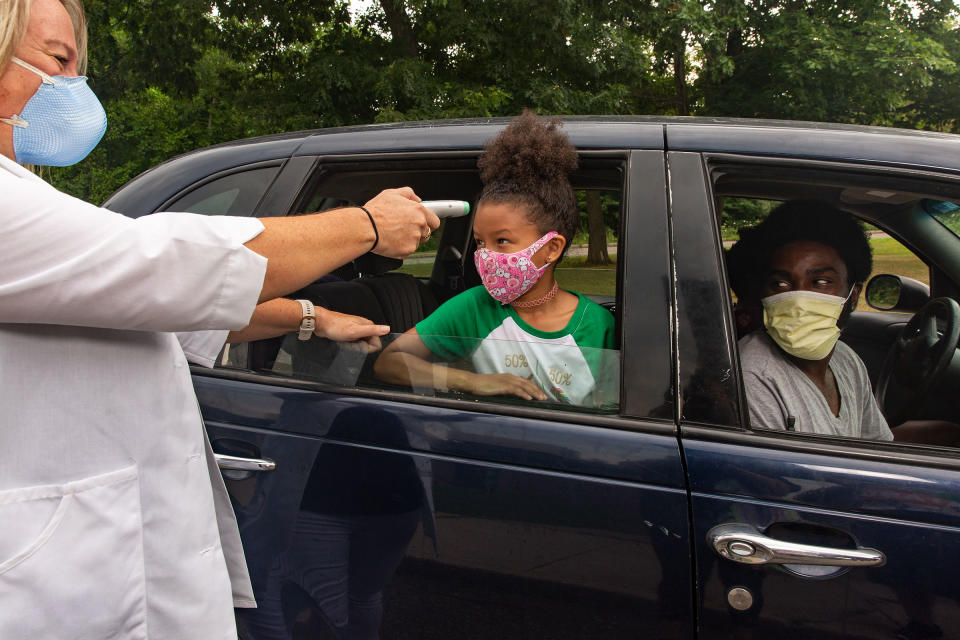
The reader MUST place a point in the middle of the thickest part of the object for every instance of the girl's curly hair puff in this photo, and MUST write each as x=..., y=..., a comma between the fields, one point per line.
x=528, y=165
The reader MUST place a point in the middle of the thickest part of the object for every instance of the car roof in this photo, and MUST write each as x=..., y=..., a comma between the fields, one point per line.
x=613, y=132
x=803, y=140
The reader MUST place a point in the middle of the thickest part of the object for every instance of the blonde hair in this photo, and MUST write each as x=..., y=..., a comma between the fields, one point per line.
x=14, y=18
x=75, y=11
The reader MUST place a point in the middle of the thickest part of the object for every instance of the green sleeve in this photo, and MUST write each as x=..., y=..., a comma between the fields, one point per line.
x=596, y=339
x=596, y=330
x=444, y=329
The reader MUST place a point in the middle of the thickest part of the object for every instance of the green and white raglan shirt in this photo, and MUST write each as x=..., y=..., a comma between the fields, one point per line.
x=576, y=365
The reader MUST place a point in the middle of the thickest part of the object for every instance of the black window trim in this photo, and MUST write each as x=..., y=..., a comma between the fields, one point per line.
x=689, y=181
x=322, y=164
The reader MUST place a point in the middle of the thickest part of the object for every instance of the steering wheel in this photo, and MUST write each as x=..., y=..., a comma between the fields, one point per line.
x=919, y=356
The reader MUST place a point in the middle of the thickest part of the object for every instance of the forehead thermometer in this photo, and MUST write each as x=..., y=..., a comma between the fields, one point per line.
x=448, y=208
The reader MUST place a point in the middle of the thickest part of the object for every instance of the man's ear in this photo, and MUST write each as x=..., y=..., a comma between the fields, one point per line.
x=855, y=292
x=850, y=305
x=554, y=248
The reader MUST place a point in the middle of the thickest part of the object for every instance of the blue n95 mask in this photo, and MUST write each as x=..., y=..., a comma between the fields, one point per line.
x=60, y=124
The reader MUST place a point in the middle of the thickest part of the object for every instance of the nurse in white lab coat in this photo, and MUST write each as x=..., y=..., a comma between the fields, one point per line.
x=114, y=522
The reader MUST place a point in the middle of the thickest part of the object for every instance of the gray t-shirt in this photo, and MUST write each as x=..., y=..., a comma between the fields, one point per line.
x=777, y=390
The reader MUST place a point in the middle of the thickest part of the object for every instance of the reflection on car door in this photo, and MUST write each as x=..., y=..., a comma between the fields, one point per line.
x=898, y=512
x=502, y=525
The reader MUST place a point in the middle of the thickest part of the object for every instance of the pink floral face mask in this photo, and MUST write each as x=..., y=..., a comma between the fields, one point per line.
x=507, y=276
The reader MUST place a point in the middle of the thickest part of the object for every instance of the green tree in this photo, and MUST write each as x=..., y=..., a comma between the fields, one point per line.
x=177, y=75
x=826, y=60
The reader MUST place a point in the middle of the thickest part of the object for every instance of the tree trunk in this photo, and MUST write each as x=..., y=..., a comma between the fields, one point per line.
x=735, y=43
x=680, y=75
x=597, y=231
x=400, y=27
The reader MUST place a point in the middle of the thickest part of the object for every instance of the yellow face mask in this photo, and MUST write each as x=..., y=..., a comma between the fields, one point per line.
x=804, y=323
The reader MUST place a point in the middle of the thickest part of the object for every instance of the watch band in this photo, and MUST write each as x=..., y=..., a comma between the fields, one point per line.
x=309, y=321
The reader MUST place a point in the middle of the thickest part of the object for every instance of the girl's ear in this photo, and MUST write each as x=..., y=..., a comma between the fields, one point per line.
x=554, y=248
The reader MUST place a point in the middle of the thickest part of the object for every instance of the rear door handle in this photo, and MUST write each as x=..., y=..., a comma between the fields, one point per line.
x=235, y=463
x=743, y=543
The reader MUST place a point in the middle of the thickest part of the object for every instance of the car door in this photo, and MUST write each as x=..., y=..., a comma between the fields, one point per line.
x=878, y=524
x=364, y=507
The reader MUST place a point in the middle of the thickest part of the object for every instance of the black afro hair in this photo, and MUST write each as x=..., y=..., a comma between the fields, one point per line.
x=528, y=164
x=798, y=221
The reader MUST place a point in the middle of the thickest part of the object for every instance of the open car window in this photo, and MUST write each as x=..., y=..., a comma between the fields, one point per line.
x=401, y=294
x=883, y=369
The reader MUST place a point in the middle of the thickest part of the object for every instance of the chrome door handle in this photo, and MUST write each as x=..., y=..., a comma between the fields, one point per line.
x=234, y=463
x=743, y=543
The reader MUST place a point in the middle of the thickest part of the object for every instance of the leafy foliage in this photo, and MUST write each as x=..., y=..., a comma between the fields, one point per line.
x=178, y=75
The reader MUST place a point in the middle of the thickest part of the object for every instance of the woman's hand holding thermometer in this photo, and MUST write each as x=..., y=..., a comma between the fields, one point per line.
x=448, y=208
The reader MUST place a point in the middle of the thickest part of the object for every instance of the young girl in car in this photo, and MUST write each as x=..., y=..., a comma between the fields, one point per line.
x=521, y=334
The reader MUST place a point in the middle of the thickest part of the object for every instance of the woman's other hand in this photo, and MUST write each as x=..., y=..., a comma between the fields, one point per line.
x=343, y=327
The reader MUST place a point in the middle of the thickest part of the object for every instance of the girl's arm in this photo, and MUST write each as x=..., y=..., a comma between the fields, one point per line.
x=405, y=362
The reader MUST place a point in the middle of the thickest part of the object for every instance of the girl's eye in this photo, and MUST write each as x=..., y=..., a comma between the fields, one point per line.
x=502, y=241
x=478, y=241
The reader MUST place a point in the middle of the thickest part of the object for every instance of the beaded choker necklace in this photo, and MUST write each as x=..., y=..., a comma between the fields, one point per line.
x=539, y=301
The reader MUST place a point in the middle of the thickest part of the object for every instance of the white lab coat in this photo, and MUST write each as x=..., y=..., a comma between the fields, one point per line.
x=114, y=521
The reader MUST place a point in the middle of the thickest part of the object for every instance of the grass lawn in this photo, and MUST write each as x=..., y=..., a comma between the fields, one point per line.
x=889, y=256
x=574, y=274
x=422, y=270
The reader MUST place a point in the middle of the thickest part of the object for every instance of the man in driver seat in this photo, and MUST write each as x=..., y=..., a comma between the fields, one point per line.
x=807, y=262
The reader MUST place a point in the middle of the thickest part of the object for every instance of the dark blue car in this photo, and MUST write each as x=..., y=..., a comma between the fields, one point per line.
x=368, y=508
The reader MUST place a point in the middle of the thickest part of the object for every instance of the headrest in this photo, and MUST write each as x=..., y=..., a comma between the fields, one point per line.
x=346, y=297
